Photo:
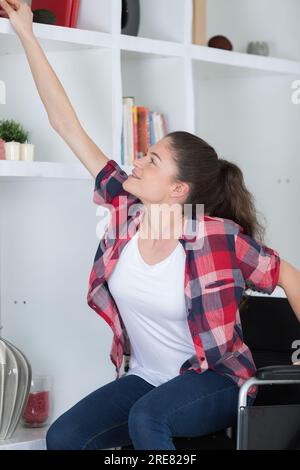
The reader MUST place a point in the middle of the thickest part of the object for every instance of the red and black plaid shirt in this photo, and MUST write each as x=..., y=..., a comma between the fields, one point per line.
x=220, y=264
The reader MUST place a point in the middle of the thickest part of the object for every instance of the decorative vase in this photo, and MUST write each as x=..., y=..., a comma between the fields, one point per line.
x=130, y=17
x=27, y=152
x=258, y=48
x=15, y=380
x=12, y=150
x=37, y=410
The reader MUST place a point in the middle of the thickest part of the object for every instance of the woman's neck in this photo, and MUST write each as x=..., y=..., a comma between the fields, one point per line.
x=161, y=224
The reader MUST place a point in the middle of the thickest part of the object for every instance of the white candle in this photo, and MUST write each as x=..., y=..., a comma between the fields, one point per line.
x=12, y=150
x=27, y=152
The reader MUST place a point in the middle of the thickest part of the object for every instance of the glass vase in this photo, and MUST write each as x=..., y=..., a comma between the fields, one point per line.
x=37, y=411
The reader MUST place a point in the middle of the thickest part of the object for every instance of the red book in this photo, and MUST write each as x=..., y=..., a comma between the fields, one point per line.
x=143, y=130
x=62, y=9
x=74, y=13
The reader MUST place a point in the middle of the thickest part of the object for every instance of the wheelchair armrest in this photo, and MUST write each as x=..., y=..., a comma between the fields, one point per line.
x=289, y=372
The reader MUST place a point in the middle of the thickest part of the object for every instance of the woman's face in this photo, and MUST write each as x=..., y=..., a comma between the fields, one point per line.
x=156, y=177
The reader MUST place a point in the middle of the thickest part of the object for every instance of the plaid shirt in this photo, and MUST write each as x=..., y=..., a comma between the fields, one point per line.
x=216, y=275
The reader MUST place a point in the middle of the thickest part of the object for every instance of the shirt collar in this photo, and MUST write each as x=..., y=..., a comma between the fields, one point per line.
x=192, y=228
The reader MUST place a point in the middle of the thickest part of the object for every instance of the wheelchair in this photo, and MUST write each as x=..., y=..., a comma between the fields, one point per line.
x=272, y=332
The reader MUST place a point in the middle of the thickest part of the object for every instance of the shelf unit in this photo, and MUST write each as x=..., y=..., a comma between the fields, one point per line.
x=226, y=97
x=192, y=62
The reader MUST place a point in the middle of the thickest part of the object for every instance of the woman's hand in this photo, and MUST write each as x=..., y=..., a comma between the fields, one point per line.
x=19, y=14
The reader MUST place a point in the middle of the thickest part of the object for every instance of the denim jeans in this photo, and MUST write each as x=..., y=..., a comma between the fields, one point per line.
x=130, y=411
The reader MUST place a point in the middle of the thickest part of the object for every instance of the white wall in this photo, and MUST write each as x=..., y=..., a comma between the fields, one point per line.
x=253, y=123
x=48, y=235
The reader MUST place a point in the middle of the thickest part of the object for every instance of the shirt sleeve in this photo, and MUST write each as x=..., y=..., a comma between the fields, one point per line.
x=259, y=264
x=108, y=183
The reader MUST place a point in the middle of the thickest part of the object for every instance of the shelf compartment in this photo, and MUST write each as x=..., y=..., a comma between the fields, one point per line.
x=163, y=20
x=147, y=79
x=242, y=21
x=95, y=15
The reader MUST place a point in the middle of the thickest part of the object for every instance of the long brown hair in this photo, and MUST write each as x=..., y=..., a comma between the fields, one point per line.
x=214, y=182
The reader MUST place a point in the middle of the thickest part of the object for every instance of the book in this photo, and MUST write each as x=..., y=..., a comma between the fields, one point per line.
x=62, y=9
x=128, y=126
x=141, y=128
x=74, y=13
x=135, y=132
x=152, y=139
x=199, y=22
x=129, y=153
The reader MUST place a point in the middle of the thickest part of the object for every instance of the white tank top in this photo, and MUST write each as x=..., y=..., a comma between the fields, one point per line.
x=151, y=302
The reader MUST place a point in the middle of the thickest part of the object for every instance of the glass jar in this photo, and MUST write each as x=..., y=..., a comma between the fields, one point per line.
x=37, y=411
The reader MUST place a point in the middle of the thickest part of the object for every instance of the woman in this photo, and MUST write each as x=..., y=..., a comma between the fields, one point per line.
x=171, y=297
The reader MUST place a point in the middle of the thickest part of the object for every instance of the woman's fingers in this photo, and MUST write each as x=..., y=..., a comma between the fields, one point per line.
x=6, y=7
x=14, y=3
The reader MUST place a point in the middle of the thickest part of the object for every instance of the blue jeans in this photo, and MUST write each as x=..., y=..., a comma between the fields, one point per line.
x=130, y=411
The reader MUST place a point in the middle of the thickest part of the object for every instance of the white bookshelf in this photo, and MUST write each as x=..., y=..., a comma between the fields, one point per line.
x=238, y=102
x=40, y=170
x=26, y=439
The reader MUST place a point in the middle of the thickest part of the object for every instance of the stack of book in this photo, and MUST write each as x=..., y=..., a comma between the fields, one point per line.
x=141, y=129
x=65, y=11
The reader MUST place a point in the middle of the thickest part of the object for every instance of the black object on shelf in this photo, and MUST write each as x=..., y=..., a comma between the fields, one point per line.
x=44, y=16
x=130, y=17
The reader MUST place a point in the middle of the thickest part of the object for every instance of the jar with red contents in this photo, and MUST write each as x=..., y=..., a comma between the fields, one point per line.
x=37, y=411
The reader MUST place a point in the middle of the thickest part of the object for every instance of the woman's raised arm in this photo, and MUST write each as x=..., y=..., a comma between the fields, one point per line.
x=61, y=114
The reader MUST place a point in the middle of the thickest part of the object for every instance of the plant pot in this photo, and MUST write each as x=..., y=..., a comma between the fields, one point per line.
x=12, y=150
x=2, y=149
x=27, y=152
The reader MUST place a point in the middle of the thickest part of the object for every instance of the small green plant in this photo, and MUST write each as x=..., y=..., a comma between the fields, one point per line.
x=12, y=131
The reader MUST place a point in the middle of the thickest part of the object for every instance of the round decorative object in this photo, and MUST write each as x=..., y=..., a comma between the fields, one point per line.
x=220, y=42
x=130, y=17
x=258, y=48
x=15, y=380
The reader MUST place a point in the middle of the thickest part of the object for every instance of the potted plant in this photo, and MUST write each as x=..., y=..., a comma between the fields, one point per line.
x=15, y=138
